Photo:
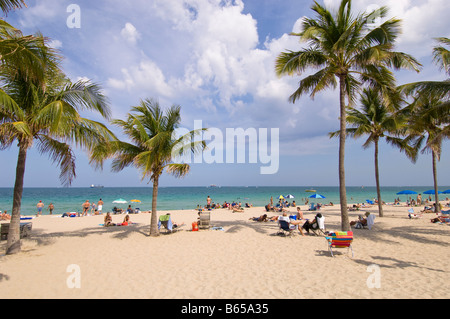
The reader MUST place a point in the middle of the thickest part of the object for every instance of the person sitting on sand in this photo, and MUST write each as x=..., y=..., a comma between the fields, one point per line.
x=108, y=220
x=238, y=209
x=5, y=216
x=361, y=220
x=126, y=220
x=310, y=224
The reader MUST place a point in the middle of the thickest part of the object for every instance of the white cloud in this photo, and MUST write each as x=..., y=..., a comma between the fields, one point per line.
x=146, y=76
x=130, y=33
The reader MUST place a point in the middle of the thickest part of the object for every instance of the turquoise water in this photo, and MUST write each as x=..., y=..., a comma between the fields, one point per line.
x=185, y=198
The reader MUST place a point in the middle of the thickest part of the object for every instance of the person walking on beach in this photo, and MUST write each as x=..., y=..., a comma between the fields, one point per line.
x=85, y=207
x=100, y=206
x=50, y=208
x=39, y=206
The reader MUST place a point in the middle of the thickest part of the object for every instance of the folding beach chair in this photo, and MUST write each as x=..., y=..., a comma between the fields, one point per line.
x=318, y=226
x=340, y=240
x=166, y=222
x=204, y=221
x=286, y=228
x=25, y=230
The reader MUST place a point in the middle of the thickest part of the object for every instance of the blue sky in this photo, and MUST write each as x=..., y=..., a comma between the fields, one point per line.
x=216, y=59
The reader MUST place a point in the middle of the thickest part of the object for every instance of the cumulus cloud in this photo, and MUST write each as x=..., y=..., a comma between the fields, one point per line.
x=130, y=33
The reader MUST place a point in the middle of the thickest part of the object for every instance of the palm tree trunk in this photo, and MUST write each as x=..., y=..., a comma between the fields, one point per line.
x=377, y=180
x=345, y=224
x=436, y=197
x=13, y=245
x=154, y=219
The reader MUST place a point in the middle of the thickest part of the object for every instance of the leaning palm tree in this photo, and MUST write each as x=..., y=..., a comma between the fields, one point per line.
x=47, y=115
x=375, y=120
x=347, y=51
x=153, y=147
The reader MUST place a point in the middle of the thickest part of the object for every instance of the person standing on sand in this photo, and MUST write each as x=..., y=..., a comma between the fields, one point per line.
x=208, y=202
x=85, y=207
x=100, y=206
x=50, y=208
x=39, y=206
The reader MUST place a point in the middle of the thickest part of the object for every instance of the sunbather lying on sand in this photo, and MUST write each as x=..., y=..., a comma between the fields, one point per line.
x=264, y=218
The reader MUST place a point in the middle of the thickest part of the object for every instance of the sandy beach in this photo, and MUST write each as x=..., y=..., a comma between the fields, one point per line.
x=244, y=259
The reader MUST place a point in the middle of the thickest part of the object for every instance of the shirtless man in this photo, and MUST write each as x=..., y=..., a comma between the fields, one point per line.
x=39, y=206
x=85, y=206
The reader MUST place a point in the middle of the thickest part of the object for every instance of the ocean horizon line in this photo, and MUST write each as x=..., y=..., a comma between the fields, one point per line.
x=220, y=186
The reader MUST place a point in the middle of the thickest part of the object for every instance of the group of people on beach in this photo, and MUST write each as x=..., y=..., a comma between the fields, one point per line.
x=234, y=206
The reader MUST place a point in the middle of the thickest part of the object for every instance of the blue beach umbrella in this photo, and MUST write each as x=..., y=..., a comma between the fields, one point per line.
x=317, y=196
x=431, y=191
x=406, y=192
x=289, y=196
x=446, y=192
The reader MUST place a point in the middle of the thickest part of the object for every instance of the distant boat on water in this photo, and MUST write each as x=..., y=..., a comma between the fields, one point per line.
x=96, y=186
x=213, y=186
x=310, y=190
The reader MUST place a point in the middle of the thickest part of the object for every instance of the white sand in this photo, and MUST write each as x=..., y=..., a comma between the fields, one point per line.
x=246, y=260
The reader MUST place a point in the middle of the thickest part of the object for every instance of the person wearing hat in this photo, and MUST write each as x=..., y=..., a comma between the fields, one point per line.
x=362, y=221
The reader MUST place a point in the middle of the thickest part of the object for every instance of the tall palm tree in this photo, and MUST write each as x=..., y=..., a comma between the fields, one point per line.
x=375, y=120
x=48, y=115
x=349, y=52
x=430, y=110
x=429, y=119
x=153, y=147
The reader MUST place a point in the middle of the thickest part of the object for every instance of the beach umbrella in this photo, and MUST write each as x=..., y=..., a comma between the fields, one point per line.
x=289, y=196
x=431, y=191
x=281, y=197
x=317, y=196
x=120, y=201
x=446, y=192
x=135, y=201
x=406, y=192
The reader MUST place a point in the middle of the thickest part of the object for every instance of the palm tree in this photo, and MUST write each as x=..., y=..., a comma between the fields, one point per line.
x=375, y=120
x=8, y=5
x=28, y=55
x=345, y=48
x=429, y=119
x=48, y=115
x=153, y=147
x=430, y=111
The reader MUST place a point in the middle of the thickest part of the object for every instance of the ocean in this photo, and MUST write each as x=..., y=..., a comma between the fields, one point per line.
x=187, y=198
